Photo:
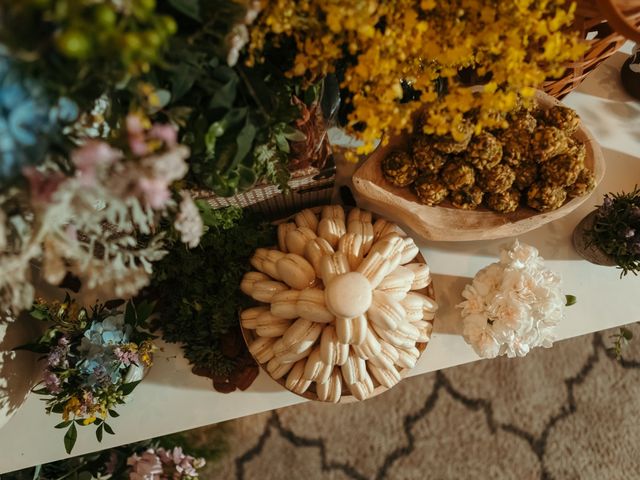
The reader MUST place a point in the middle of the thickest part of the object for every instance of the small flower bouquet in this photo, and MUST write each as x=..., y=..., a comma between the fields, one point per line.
x=512, y=305
x=162, y=464
x=95, y=358
x=616, y=230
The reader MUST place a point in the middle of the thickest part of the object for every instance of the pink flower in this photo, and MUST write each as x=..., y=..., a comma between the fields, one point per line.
x=136, y=133
x=89, y=157
x=155, y=192
x=167, y=133
x=145, y=467
x=52, y=382
x=43, y=185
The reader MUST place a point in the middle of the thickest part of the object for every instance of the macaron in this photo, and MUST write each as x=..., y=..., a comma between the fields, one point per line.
x=264, y=290
x=388, y=245
x=301, y=335
x=258, y=258
x=295, y=271
x=332, y=266
x=404, y=335
x=332, y=352
x=354, y=369
x=422, y=275
x=365, y=229
x=311, y=305
x=374, y=267
x=407, y=357
x=386, y=376
x=288, y=356
x=262, y=349
x=357, y=214
x=425, y=328
x=352, y=245
x=268, y=325
x=297, y=239
x=249, y=279
x=283, y=304
x=314, y=251
x=370, y=348
x=413, y=305
x=331, y=390
x=331, y=229
x=315, y=369
x=249, y=317
x=295, y=381
x=332, y=211
x=352, y=331
x=382, y=227
x=306, y=218
x=362, y=389
x=409, y=251
x=397, y=283
x=277, y=369
x=385, y=311
x=387, y=356
x=283, y=230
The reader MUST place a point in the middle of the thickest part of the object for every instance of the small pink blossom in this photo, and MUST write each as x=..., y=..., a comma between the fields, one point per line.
x=167, y=133
x=89, y=157
x=145, y=467
x=155, y=192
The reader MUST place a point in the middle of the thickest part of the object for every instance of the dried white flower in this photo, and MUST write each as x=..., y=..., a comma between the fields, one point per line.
x=188, y=221
x=235, y=41
x=512, y=305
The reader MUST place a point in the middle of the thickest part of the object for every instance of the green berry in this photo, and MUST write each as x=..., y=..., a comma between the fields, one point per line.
x=74, y=44
x=105, y=16
x=168, y=24
x=148, y=5
x=132, y=42
x=152, y=39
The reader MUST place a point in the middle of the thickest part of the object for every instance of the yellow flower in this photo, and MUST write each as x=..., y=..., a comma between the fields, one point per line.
x=71, y=407
x=89, y=420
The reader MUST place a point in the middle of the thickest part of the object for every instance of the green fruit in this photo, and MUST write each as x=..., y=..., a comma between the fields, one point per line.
x=105, y=16
x=74, y=44
x=148, y=5
x=168, y=24
x=132, y=42
x=152, y=39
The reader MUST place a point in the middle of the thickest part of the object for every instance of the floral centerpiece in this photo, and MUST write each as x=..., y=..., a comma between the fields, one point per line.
x=392, y=58
x=94, y=359
x=615, y=230
x=512, y=305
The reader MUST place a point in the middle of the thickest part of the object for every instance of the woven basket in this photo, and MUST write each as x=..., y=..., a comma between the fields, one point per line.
x=605, y=26
x=309, y=187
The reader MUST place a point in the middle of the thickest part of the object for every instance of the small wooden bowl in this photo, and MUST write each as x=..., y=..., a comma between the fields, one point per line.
x=447, y=223
x=250, y=335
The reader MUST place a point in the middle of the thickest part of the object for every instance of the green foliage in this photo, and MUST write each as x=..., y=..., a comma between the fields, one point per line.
x=571, y=300
x=616, y=230
x=620, y=341
x=199, y=289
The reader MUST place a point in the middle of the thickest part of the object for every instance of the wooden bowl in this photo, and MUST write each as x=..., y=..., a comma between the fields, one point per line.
x=447, y=223
x=250, y=335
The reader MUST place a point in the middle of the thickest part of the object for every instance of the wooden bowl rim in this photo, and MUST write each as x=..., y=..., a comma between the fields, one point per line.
x=480, y=224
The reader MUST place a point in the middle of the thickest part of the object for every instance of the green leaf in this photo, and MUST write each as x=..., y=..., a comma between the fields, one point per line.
x=571, y=300
x=225, y=96
x=63, y=424
x=244, y=141
x=626, y=333
x=39, y=313
x=70, y=438
x=130, y=314
x=144, y=310
x=99, y=433
x=36, y=472
x=108, y=429
x=282, y=143
x=34, y=347
x=127, y=388
x=190, y=8
x=293, y=134
x=57, y=408
x=40, y=391
x=113, y=413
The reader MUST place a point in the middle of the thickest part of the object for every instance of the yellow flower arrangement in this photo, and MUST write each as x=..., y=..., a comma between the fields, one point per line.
x=386, y=44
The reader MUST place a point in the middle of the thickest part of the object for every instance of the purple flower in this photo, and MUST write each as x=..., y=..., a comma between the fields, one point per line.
x=58, y=357
x=52, y=382
x=127, y=357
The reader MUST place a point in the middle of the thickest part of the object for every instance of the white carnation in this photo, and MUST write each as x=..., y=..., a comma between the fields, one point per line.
x=512, y=305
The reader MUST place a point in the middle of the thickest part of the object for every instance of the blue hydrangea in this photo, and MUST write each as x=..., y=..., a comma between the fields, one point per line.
x=99, y=361
x=28, y=119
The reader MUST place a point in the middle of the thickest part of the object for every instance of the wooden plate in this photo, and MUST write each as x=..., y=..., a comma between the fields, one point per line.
x=444, y=222
x=250, y=335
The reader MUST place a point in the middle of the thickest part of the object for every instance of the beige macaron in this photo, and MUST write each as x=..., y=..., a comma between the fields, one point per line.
x=332, y=352
x=352, y=245
x=311, y=305
x=249, y=316
x=397, y=283
x=385, y=311
x=283, y=230
x=331, y=390
x=354, y=369
x=295, y=380
x=277, y=369
x=306, y=218
x=404, y=335
x=283, y=304
x=374, y=267
x=295, y=271
x=370, y=348
x=297, y=239
x=314, y=251
x=331, y=229
x=262, y=349
x=301, y=335
x=386, y=376
x=249, y=279
x=421, y=273
x=382, y=227
x=264, y=290
x=332, y=266
x=409, y=251
x=332, y=211
x=362, y=389
x=357, y=214
x=365, y=229
x=352, y=331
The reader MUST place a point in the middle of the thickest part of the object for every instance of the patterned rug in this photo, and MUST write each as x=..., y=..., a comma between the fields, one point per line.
x=565, y=413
